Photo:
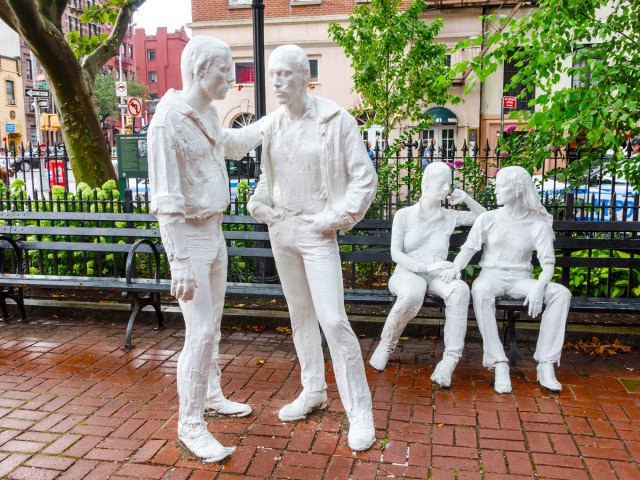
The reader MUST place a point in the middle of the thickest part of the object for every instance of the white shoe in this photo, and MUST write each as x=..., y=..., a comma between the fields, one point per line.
x=224, y=406
x=199, y=441
x=502, y=383
x=362, y=432
x=380, y=356
x=442, y=374
x=547, y=377
x=303, y=406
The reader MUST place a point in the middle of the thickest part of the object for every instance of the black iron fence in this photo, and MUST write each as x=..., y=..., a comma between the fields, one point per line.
x=598, y=194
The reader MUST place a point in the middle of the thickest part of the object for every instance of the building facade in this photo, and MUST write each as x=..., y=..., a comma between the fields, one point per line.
x=12, y=123
x=305, y=22
x=157, y=61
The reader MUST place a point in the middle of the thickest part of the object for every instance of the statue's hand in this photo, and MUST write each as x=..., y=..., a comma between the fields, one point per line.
x=457, y=197
x=265, y=214
x=183, y=280
x=450, y=275
x=439, y=266
x=534, y=300
x=326, y=222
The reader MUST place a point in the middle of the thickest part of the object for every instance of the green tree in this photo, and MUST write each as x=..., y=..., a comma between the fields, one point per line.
x=398, y=68
x=72, y=68
x=104, y=95
x=593, y=43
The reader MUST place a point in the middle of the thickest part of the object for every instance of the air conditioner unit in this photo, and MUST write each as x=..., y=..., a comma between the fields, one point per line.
x=11, y=102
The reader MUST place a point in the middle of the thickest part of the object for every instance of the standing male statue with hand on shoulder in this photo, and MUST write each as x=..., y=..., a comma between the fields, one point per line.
x=316, y=179
x=189, y=192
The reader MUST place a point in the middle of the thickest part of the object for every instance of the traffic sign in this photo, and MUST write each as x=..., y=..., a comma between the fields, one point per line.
x=121, y=89
x=509, y=102
x=43, y=85
x=33, y=92
x=151, y=106
x=134, y=107
x=43, y=103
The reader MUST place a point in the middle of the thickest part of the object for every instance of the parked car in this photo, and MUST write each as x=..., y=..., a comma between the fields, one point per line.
x=596, y=195
x=29, y=159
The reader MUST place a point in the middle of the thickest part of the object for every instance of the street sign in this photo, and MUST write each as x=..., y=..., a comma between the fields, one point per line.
x=43, y=103
x=151, y=106
x=11, y=128
x=121, y=89
x=509, y=102
x=134, y=107
x=32, y=92
x=43, y=85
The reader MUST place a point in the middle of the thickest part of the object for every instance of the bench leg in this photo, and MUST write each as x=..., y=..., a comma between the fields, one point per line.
x=15, y=295
x=156, y=307
x=3, y=306
x=510, y=336
x=20, y=302
x=135, y=309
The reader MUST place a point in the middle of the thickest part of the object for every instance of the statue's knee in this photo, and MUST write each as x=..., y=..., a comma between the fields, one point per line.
x=460, y=292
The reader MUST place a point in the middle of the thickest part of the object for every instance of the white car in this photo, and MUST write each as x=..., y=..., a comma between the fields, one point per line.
x=595, y=196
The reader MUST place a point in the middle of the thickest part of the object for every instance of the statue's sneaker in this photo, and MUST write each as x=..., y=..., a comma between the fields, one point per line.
x=362, y=432
x=224, y=406
x=443, y=372
x=547, y=377
x=380, y=356
x=303, y=406
x=199, y=441
x=502, y=383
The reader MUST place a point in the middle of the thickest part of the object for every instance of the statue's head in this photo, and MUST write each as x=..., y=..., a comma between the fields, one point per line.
x=514, y=184
x=207, y=58
x=436, y=180
x=289, y=72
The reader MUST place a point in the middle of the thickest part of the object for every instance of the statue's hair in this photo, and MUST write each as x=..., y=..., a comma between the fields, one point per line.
x=198, y=56
x=297, y=55
x=525, y=188
x=434, y=168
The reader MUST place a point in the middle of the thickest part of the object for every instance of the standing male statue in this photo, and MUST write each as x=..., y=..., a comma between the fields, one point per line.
x=189, y=192
x=316, y=178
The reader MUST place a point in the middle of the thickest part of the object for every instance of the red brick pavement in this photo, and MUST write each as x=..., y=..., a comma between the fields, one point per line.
x=74, y=405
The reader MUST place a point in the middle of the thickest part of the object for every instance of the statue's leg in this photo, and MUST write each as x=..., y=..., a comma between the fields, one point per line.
x=410, y=289
x=217, y=284
x=557, y=300
x=194, y=362
x=324, y=274
x=484, y=291
x=456, y=298
x=304, y=326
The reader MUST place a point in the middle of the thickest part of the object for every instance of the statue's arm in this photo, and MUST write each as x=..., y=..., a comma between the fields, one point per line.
x=239, y=141
x=472, y=245
x=475, y=209
x=398, y=255
x=545, y=254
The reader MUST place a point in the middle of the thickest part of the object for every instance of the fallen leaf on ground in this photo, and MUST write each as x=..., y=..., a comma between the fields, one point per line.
x=285, y=330
x=597, y=348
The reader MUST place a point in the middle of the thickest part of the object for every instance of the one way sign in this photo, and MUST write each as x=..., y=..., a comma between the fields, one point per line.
x=33, y=92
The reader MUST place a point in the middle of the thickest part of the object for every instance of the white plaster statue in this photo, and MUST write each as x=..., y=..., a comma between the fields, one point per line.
x=419, y=247
x=316, y=178
x=508, y=237
x=189, y=192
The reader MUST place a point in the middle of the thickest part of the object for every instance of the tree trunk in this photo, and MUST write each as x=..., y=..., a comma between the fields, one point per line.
x=85, y=144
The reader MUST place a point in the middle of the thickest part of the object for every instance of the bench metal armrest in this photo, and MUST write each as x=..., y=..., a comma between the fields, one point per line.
x=131, y=259
x=16, y=248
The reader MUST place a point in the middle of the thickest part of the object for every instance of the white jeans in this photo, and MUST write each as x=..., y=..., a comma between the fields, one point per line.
x=494, y=283
x=198, y=371
x=410, y=288
x=311, y=276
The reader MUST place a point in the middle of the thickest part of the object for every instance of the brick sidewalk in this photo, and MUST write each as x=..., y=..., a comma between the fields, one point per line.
x=73, y=404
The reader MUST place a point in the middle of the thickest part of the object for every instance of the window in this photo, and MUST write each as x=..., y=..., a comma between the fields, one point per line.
x=447, y=59
x=151, y=54
x=153, y=78
x=510, y=69
x=239, y=3
x=313, y=63
x=245, y=74
x=581, y=76
x=29, y=66
x=11, y=93
x=131, y=51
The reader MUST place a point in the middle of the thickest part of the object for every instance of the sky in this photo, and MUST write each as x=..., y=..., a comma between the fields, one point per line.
x=172, y=14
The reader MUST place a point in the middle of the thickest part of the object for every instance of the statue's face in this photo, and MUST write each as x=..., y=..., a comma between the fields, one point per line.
x=288, y=84
x=438, y=187
x=216, y=82
x=505, y=190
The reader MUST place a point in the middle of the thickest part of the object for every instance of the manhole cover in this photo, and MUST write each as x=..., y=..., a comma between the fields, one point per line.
x=632, y=385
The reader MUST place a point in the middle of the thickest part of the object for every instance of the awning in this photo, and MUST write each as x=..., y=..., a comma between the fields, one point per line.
x=442, y=116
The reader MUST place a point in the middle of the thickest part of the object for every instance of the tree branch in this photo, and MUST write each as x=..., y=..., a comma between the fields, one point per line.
x=111, y=46
x=7, y=15
x=52, y=11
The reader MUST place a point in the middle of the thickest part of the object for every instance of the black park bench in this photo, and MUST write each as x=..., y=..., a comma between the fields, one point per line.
x=121, y=252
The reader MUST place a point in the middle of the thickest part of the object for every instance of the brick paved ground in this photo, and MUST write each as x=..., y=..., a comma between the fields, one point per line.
x=73, y=405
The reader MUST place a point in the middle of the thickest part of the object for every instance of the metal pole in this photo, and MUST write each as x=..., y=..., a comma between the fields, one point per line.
x=121, y=98
x=257, y=7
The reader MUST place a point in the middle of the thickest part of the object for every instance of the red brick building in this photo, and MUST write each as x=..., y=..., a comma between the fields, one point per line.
x=157, y=59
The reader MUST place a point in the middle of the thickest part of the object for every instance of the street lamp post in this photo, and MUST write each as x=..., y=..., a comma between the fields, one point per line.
x=257, y=7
